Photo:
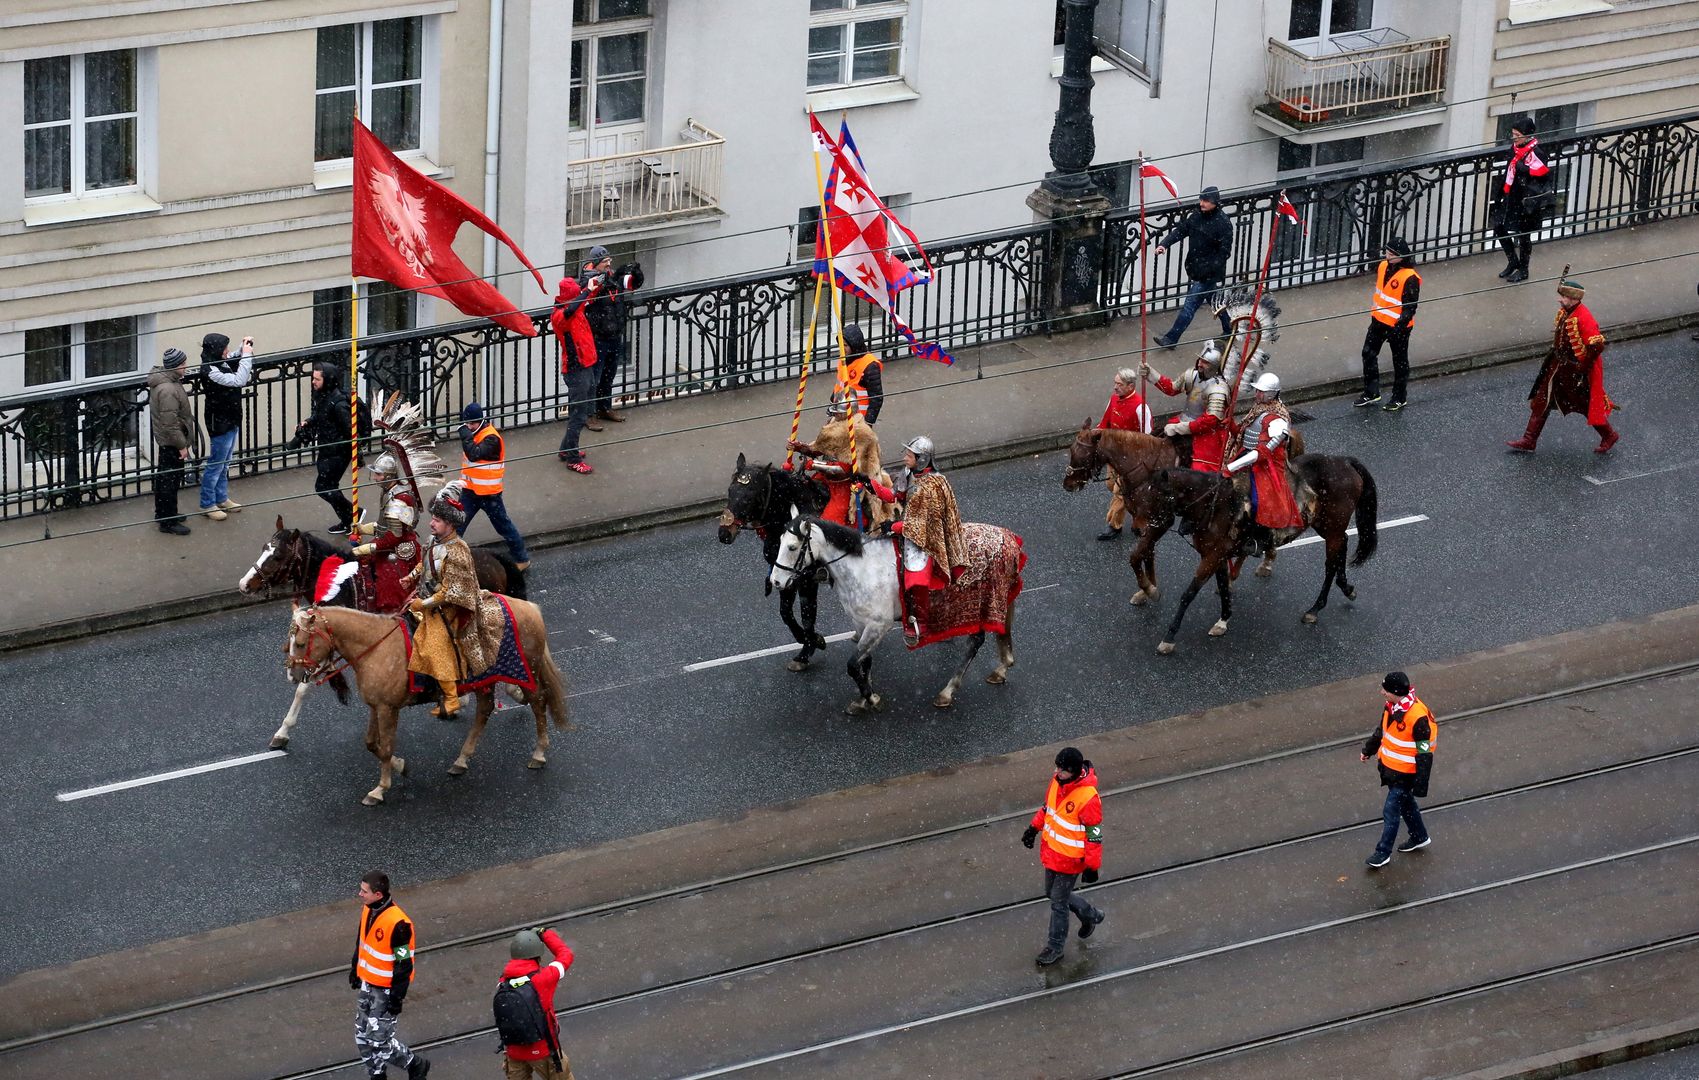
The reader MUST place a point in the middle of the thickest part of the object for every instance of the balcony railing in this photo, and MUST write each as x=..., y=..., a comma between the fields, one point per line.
x=1355, y=77
x=647, y=186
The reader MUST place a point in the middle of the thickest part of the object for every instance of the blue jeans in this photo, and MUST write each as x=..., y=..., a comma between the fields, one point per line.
x=1400, y=805
x=1198, y=293
x=1060, y=889
x=215, y=471
x=497, y=510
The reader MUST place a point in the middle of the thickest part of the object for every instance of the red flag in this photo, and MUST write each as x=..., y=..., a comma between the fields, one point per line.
x=1286, y=210
x=404, y=226
x=1147, y=171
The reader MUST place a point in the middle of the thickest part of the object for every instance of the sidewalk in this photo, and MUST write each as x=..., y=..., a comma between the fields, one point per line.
x=671, y=462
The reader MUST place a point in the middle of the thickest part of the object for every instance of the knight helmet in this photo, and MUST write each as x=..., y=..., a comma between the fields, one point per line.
x=923, y=450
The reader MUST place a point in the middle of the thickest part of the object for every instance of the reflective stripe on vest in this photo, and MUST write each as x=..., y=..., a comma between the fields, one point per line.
x=1389, y=294
x=1063, y=831
x=376, y=960
x=485, y=477
x=849, y=380
x=1398, y=746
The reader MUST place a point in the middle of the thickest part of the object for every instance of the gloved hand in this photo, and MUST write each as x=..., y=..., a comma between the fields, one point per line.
x=897, y=527
x=391, y=1005
x=1175, y=429
x=1029, y=837
x=1089, y=876
x=416, y=606
x=539, y=930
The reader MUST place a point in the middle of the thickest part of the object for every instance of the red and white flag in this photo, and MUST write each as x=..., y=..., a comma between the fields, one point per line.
x=404, y=226
x=1285, y=209
x=1147, y=171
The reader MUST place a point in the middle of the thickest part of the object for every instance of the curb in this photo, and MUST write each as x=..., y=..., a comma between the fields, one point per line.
x=1597, y=1054
x=604, y=528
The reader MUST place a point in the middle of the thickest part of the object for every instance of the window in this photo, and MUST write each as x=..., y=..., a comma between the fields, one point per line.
x=80, y=352
x=1325, y=18
x=379, y=67
x=610, y=63
x=1129, y=32
x=808, y=225
x=854, y=308
x=81, y=125
x=854, y=41
x=384, y=308
x=1558, y=122
x=1298, y=157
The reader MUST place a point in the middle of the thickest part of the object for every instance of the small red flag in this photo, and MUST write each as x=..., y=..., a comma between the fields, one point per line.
x=404, y=226
x=1147, y=171
x=1286, y=210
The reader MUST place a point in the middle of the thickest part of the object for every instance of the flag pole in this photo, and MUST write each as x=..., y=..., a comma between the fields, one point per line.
x=837, y=301
x=1256, y=304
x=354, y=378
x=1144, y=276
x=814, y=315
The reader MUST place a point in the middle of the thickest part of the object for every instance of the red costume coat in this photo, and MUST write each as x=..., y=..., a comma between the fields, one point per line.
x=383, y=569
x=1573, y=377
x=1209, y=434
x=1126, y=414
x=1276, y=509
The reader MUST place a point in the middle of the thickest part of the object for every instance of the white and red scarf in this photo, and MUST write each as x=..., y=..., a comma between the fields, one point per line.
x=1536, y=167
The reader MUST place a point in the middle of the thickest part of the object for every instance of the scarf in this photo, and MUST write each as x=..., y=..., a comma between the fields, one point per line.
x=1516, y=157
x=1405, y=703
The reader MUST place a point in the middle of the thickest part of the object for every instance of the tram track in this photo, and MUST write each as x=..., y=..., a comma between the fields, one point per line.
x=774, y=963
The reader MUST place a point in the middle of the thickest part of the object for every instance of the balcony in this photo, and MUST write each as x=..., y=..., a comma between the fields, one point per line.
x=1354, y=84
x=643, y=190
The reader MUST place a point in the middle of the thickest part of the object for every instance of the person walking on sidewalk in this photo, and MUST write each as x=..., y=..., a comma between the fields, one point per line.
x=1573, y=376
x=1403, y=749
x=525, y=1007
x=606, y=312
x=1126, y=411
x=329, y=428
x=175, y=431
x=1210, y=231
x=483, y=467
x=861, y=377
x=222, y=379
x=382, y=971
x=577, y=367
x=1524, y=196
x=1398, y=288
x=1071, y=822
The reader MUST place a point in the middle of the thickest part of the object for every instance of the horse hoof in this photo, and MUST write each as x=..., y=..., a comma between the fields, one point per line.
x=797, y=665
x=1165, y=649
x=877, y=702
x=280, y=743
x=996, y=678
x=1350, y=594
x=1139, y=599
x=372, y=798
x=1265, y=571
x=1309, y=618
x=855, y=708
x=1219, y=629
x=942, y=702
x=457, y=769
x=536, y=763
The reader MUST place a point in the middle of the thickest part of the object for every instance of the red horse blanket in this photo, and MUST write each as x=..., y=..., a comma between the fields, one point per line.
x=981, y=599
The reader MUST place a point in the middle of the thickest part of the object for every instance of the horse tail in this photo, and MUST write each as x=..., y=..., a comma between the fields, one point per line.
x=554, y=692
x=1368, y=508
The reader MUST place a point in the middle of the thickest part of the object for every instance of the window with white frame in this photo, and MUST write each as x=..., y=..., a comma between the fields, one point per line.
x=82, y=125
x=1326, y=18
x=855, y=41
x=81, y=352
x=385, y=70
x=384, y=308
x=1129, y=32
x=610, y=63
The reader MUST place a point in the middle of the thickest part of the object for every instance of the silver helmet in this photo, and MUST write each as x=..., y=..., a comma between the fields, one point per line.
x=1209, y=358
x=922, y=449
x=1267, y=383
x=385, y=467
x=838, y=409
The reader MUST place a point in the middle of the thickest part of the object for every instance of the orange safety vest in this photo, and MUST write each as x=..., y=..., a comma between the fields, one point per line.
x=849, y=386
x=485, y=477
x=376, y=964
x=1063, y=832
x=1389, y=294
x=1398, y=745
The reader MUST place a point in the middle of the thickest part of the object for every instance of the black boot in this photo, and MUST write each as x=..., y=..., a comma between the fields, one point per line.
x=1110, y=533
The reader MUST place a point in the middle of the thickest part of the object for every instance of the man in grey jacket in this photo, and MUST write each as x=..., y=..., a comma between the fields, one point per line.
x=175, y=433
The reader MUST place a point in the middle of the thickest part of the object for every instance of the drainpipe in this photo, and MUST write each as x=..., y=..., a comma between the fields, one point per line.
x=492, y=158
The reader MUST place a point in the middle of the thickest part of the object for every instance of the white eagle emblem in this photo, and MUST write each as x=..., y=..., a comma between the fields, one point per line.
x=403, y=218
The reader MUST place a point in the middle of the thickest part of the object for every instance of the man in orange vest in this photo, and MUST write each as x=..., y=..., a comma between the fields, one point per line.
x=1397, y=290
x=861, y=379
x=382, y=970
x=1071, y=822
x=483, y=466
x=1403, y=749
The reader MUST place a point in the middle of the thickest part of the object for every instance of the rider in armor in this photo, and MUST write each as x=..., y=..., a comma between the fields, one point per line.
x=391, y=556
x=934, y=552
x=1262, y=443
x=1199, y=432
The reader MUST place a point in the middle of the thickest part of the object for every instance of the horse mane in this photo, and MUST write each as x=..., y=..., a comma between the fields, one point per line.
x=320, y=548
x=846, y=539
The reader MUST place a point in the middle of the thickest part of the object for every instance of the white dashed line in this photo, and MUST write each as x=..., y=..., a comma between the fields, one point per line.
x=174, y=774
x=1393, y=524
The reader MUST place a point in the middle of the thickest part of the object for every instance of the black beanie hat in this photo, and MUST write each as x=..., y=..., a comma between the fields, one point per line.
x=1396, y=682
x=1525, y=125
x=174, y=358
x=1211, y=194
x=1399, y=247
x=1071, y=759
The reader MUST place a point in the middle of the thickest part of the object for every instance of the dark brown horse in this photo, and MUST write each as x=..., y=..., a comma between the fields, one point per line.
x=1332, y=491
x=1134, y=457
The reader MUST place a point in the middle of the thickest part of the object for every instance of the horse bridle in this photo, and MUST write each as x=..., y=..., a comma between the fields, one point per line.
x=805, y=553
x=766, y=499
x=318, y=672
x=1093, y=469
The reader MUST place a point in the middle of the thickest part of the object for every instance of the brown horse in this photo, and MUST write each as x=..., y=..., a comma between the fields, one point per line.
x=374, y=647
x=1135, y=457
x=1332, y=491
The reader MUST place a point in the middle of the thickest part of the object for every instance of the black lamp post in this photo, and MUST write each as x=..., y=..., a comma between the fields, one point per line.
x=1072, y=140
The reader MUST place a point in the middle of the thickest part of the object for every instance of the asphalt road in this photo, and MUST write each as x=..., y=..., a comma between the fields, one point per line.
x=1515, y=548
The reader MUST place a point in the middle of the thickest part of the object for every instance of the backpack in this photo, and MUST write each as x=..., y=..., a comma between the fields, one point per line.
x=520, y=1020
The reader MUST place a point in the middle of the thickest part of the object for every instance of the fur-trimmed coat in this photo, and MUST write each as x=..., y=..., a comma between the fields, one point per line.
x=932, y=523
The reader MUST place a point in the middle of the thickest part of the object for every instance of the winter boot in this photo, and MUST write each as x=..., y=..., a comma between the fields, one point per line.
x=1525, y=445
x=1607, y=437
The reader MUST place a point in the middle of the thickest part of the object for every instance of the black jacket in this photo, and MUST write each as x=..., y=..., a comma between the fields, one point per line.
x=1417, y=781
x=607, y=309
x=221, y=384
x=1211, y=236
x=327, y=426
x=488, y=450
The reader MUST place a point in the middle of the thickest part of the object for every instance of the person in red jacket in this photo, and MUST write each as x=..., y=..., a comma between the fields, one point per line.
x=577, y=366
x=1126, y=411
x=543, y=1057
x=1071, y=822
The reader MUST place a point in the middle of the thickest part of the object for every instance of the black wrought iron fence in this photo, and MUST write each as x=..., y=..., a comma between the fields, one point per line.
x=66, y=448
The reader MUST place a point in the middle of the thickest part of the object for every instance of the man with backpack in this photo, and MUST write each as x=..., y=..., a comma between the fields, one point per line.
x=524, y=1007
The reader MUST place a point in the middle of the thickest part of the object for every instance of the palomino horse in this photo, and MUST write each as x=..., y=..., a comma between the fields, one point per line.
x=374, y=647
x=1331, y=490
x=864, y=575
x=1135, y=457
x=291, y=560
x=765, y=498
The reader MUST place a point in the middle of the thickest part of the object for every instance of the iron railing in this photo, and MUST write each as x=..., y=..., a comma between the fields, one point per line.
x=1341, y=79
x=65, y=448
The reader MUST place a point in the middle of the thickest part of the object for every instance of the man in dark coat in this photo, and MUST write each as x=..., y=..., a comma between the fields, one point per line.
x=606, y=312
x=1402, y=747
x=222, y=378
x=175, y=434
x=328, y=428
x=1210, y=231
x=1521, y=197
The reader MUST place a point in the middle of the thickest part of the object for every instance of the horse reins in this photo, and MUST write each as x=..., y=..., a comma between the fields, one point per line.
x=344, y=663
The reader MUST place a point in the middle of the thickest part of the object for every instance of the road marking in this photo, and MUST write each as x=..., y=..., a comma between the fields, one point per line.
x=704, y=665
x=1379, y=525
x=1596, y=482
x=174, y=774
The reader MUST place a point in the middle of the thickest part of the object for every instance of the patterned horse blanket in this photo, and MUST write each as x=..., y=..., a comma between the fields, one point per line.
x=511, y=665
x=981, y=599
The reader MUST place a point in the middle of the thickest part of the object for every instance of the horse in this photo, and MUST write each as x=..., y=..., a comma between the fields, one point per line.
x=864, y=575
x=1135, y=457
x=291, y=560
x=765, y=498
x=1332, y=491
x=374, y=647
